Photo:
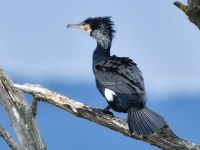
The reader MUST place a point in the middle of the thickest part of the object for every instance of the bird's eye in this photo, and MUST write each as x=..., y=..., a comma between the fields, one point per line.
x=83, y=24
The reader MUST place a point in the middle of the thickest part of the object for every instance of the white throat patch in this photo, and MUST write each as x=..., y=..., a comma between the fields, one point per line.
x=109, y=94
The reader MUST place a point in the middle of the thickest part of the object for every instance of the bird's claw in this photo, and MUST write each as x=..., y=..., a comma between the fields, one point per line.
x=108, y=112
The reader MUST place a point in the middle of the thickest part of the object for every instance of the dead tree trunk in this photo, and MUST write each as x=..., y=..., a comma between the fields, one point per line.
x=23, y=119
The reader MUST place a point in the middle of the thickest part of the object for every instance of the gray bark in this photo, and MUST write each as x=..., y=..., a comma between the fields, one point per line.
x=9, y=140
x=192, y=10
x=21, y=117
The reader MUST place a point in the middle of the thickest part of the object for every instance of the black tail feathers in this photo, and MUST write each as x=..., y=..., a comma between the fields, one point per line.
x=144, y=121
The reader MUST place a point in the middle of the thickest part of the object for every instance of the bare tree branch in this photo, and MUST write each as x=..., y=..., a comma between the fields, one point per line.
x=8, y=138
x=192, y=10
x=164, y=138
x=20, y=114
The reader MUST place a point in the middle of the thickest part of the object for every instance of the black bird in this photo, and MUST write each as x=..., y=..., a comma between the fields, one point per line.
x=119, y=80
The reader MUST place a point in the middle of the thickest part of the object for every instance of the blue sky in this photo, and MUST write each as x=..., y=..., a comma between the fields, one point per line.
x=37, y=48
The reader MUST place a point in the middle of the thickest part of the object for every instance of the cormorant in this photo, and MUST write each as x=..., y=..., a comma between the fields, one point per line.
x=119, y=80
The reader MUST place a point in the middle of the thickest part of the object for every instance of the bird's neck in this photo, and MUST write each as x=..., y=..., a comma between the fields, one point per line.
x=102, y=37
x=100, y=53
x=104, y=41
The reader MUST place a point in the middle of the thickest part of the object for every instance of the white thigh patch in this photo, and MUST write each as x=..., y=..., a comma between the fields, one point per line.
x=109, y=94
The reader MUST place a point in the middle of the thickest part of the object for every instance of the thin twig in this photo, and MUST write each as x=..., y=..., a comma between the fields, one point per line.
x=34, y=106
x=182, y=7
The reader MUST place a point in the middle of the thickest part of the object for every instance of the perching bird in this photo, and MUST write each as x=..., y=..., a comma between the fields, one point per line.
x=119, y=80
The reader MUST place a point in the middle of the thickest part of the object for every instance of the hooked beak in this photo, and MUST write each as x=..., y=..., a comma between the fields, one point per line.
x=83, y=26
x=80, y=25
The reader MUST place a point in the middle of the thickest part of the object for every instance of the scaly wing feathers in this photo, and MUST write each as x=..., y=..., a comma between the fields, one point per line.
x=121, y=75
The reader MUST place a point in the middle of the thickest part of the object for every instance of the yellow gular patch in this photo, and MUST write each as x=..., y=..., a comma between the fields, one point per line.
x=87, y=28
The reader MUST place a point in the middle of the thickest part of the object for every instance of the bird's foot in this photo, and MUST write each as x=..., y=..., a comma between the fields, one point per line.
x=106, y=110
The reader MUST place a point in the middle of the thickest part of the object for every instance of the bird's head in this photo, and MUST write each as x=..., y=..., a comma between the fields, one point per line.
x=101, y=24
